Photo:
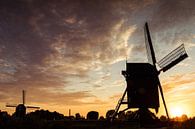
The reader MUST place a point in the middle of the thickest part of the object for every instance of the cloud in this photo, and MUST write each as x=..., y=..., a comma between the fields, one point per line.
x=45, y=43
x=179, y=87
x=169, y=22
x=175, y=81
x=45, y=46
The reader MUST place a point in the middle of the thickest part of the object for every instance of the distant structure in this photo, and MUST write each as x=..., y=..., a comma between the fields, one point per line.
x=21, y=108
x=143, y=82
x=69, y=112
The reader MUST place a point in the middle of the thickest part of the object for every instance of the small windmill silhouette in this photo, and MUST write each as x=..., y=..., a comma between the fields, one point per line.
x=21, y=108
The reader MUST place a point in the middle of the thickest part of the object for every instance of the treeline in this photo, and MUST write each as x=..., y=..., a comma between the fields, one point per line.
x=44, y=119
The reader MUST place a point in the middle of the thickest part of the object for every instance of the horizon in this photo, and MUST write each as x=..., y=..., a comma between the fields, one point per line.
x=70, y=54
x=104, y=116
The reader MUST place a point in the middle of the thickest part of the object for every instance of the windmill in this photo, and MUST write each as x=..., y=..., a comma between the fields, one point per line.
x=143, y=84
x=21, y=108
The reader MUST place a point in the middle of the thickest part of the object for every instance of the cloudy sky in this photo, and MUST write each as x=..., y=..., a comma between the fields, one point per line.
x=68, y=54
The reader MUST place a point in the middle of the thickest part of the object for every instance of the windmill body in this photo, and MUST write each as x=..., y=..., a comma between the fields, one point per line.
x=143, y=83
x=20, y=111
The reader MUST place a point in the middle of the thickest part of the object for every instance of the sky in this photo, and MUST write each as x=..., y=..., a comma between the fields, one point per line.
x=68, y=54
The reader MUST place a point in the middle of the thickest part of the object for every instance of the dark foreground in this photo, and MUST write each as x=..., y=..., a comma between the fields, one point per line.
x=88, y=124
x=74, y=124
x=53, y=120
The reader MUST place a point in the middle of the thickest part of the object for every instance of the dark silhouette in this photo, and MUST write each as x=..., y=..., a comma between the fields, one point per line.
x=20, y=111
x=143, y=82
x=122, y=116
x=163, y=118
x=21, y=108
x=92, y=115
x=77, y=116
x=109, y=114
x=102, y=118
x=44, y=119
x=45, y=115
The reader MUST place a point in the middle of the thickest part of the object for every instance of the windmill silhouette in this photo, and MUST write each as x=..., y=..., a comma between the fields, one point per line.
x=143, y=80
x=21, y=108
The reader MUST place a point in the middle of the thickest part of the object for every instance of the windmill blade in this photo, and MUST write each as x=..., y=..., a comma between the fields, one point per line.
x=34, y=107
x=173, y=58
x=149, y=46
x=11, y=105
x=163, y=99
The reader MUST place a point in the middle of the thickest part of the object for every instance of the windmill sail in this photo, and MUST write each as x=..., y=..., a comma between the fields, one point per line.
x=173, y=58
x=23, y=103
x=11, y=105
x=152, y=60
x=149, y=47
x=34, y=107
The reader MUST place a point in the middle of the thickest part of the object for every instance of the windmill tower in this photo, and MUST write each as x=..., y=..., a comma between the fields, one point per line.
x=20, y=111
x=143, y=83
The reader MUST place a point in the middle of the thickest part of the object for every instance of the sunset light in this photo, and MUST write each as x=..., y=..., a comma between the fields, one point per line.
x=176, y=111
x=80, y=56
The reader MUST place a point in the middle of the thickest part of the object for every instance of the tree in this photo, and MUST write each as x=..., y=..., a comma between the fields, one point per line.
x=121, y=115
x=163, y=118
x=92, y=115
x=101, y=118
x=109, y=114
x=184, y=117
x=77, y=116
x=129, y=115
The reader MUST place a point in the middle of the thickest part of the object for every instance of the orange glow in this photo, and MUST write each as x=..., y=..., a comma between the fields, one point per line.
x=176, y=111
